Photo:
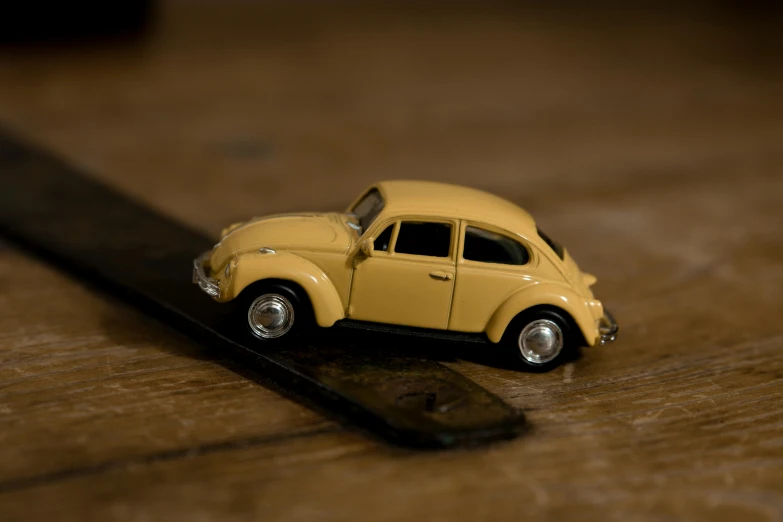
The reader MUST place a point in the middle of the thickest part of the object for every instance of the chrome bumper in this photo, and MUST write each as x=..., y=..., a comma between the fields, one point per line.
x=208, y=284
x=607, y=328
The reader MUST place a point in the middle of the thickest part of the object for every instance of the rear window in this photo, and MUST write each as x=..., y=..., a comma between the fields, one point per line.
x=554, y=245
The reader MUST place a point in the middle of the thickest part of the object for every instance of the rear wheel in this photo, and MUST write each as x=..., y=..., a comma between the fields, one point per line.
x=276, y=311
x=540, y=338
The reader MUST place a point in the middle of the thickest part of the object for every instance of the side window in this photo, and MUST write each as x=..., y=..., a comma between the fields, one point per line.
x=384, y=238
x=554, y=245
x=489, y=247
x=423, y=239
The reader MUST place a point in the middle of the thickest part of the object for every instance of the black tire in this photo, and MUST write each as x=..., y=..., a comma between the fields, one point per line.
x=544, y=324
x=288, y=316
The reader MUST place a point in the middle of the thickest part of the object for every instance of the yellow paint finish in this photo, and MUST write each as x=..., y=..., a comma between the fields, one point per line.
x=479, y=290
x=321, y=252
x=487, y=296
x=482, y=287
x=551, y=294
x=319, y=288
x=426, y=198
x=322, y=232
x=338, y=268
x=404, y=289
x=398, y=289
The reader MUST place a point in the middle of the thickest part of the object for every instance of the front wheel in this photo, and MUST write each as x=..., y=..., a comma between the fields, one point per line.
x=275, y=312
x=539, y=339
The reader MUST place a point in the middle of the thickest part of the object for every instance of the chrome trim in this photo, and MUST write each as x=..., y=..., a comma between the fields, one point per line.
x=540, y=341
x=267, y=250
x=607, y=328
x=208, y=284
x=270, y=316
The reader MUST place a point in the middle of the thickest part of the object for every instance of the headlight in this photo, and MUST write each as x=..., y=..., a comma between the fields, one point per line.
x=227, y=273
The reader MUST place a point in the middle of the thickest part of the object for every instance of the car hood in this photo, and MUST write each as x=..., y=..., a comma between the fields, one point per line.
x=312, y=232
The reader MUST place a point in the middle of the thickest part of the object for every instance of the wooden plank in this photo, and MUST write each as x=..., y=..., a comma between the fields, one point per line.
x=84, y=380
x=650, y=148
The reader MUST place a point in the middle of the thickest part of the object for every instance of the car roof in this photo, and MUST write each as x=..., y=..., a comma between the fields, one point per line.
x=428, y=198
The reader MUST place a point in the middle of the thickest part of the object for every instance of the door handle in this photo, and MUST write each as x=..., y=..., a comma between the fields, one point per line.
x=441, y=276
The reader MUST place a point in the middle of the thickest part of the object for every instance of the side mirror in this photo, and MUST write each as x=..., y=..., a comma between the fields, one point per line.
x=367, y=248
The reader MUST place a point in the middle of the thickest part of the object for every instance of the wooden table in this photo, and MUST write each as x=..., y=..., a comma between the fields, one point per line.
x=650, y=144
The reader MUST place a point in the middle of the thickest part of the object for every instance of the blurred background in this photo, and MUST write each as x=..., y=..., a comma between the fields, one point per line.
x=303, y=103
x=605, y=117
x=647, y=137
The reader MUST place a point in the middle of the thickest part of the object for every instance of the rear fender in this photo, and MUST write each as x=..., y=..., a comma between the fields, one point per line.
x=548, y=294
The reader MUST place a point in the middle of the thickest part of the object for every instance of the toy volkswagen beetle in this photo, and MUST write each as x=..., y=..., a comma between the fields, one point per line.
x=410, y=254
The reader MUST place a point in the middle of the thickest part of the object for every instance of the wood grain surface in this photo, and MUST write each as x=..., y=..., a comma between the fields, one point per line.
x=649, y=143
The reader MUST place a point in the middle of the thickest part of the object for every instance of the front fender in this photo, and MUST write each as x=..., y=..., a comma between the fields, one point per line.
x=253, y=266
x=559, y=296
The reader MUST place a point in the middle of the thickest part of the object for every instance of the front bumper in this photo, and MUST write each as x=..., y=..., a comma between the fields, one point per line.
x=607, y=328
x=208, y=284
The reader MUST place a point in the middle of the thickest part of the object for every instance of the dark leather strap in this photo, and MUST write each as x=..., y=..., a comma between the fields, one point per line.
x=132, y=252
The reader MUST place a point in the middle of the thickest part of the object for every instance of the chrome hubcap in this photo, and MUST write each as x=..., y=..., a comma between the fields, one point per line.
x=270, y=316
x=540, y=341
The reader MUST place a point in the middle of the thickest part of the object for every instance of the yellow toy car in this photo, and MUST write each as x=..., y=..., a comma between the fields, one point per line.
x=410, y=254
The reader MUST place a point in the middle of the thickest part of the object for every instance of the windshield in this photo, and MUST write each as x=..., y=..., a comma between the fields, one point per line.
x=554, y=245
x=367, y=209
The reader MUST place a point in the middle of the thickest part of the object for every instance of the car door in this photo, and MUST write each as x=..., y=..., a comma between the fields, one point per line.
x=412, y=281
